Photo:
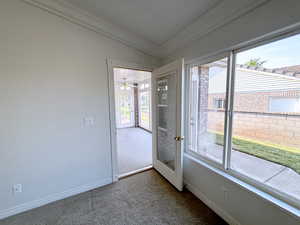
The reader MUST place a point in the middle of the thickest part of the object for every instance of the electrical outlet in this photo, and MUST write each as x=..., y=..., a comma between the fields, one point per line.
x=225, y=193
x=17, y=188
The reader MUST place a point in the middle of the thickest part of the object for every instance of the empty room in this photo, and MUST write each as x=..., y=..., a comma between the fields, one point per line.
x=132, y=92
x=129, y=112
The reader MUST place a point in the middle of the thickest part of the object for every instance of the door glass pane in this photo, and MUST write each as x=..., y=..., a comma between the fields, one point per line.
x=166, y=115
x=207, y=100
x=266, y=122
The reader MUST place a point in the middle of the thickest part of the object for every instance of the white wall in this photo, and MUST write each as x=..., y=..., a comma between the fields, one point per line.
x=240, y=206
x=243, y=206
x=272, y=16
x=52, y=74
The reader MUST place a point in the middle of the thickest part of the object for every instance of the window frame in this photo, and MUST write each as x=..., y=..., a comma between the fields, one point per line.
x=145, y=90
x=230, y=54
x=187, y=107
x=219, y=103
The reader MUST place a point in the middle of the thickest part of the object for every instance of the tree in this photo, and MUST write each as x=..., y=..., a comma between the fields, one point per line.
x=256, y=62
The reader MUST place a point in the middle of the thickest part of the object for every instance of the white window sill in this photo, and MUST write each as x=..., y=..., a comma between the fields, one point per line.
x=291, y=210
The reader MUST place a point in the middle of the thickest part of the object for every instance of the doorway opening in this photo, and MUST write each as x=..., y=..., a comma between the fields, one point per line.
x=132, y=91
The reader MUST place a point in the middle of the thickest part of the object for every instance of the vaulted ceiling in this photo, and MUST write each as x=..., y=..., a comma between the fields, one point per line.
x=156, y=27
x=155, y=20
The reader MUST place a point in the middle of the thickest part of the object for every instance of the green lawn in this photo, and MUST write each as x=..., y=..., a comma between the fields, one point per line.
x=277, y=155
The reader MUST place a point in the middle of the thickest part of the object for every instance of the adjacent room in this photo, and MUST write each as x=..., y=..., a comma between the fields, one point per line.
x=133, y=120
x=164, y=112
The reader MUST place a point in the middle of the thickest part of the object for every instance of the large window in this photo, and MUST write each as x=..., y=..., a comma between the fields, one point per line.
x=206, y=120
x=256, y=136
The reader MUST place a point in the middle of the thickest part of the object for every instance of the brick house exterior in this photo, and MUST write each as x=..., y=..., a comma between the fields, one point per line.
x=253, y=101
x=254, y=90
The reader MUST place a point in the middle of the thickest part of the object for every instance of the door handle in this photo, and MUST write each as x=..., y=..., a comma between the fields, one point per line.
x=178, y=138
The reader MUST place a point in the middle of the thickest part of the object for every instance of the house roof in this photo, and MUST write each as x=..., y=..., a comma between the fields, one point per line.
x=253, y=80
x=294, y=70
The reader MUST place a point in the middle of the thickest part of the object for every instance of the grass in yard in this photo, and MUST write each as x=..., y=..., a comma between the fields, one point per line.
x=277, y=155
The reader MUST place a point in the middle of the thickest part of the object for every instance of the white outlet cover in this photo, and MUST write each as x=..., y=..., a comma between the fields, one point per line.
x=17, y=188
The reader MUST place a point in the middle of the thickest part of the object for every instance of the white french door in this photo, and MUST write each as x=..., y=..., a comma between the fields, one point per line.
x=167, y=124
x=124, y=106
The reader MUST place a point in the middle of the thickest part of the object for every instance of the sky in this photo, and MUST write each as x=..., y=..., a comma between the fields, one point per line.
x=278, y=54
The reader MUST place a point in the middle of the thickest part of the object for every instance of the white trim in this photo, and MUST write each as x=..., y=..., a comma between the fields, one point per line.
x=140, y=92
x=278, y=195
x=204, y=25
x=196, y=155
x=85, y=19
x=198, y=29
x=249, y=187
x=231, y=63
x=218, y=210
x=135, y=171
x=112, y=119
x=111, y=64
x=53, y=197
x=131, y=65
x=207, y=59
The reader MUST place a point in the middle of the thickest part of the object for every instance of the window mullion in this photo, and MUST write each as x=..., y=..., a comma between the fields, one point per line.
x=229, y=111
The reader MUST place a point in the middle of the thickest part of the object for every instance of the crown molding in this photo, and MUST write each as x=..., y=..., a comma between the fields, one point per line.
x=208, y=23
x=81, y=17
x=205, y=24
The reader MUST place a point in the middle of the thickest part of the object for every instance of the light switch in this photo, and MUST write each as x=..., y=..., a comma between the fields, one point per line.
x=17, y=188
x=89, y=121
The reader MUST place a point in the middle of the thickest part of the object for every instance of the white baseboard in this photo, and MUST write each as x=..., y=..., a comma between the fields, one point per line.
x=221, y=212
x=52, y=198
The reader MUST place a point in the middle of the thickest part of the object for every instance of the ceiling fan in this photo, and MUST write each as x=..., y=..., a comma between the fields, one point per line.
x=125, y=85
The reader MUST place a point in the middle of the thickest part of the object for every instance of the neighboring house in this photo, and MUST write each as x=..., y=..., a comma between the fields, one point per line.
x=266, y=103
x=256, y=90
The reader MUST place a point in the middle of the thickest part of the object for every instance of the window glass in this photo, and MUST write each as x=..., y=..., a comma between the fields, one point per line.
x=166, y=115
x=206, y=109
x=219, y=103
x=144, y=102
x=266, y=122
x=284, y=105
x=145, y=113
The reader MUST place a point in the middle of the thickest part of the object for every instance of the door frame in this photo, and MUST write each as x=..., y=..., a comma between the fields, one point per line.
x=111, y=64
x=149, y=129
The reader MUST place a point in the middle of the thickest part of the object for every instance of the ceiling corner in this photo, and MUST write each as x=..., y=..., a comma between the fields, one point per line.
x=85, y=19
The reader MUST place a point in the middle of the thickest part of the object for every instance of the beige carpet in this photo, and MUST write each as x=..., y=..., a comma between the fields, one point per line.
x=144, y=198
